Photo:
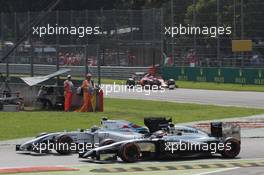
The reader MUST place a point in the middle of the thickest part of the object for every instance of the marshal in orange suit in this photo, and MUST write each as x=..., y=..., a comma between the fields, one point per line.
x=88, y=91
x=68, y=92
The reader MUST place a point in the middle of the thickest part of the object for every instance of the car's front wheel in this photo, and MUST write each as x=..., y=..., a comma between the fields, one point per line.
x=129, y=152
x=63, y=145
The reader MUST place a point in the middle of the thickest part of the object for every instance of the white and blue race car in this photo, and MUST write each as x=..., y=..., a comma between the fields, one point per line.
x=68, y=142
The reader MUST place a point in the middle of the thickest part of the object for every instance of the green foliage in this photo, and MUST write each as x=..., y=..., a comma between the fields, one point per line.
x=38, y=5
x=206, y=15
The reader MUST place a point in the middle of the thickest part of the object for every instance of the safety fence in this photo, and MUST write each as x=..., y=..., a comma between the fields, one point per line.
x=126, y=37
x=218, y=75
x=137, y=37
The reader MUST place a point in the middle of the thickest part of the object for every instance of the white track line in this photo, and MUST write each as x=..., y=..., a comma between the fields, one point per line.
x=218, y=171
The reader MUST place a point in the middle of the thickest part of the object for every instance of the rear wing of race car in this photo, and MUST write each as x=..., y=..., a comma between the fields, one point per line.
x=225, y=130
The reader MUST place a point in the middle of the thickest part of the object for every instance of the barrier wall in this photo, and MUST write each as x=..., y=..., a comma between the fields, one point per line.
x=218, y=75
x=113, y=72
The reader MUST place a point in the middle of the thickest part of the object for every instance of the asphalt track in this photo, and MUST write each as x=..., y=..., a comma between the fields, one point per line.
x=251, y=149
x=210, y=97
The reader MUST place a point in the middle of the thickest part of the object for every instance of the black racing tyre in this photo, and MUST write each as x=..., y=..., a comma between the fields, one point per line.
x=130, y=83
x=147, y=84
x=129, y=152
x=63, y=144
x=106, y=142
x=157, y=83
x=151, y=82
x=171, y=84
x=231, y=149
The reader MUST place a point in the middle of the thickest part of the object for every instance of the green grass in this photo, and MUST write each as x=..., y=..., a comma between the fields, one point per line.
x=26, y=124
x=219, y=86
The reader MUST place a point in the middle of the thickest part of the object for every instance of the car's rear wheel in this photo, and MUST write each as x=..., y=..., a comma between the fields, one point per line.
x=63, y=144
x=147, y=84
x=129, y=152
x=157, y=83
x=171, y=84
x=130, y=83
x=231, y=149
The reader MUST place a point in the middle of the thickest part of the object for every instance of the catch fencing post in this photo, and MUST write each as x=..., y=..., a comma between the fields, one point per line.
x=57, y=63
x=57, y=22
x=162, y=35
x=194, y=24
x=218, y=41
x=172, y=39
x=242, y=27
x=7, y=63
x=86, y=59
x=31, y=58
x=98, y=64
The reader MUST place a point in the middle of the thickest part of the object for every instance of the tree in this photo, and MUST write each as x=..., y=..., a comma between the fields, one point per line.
x=38, y=5
x=206, y=15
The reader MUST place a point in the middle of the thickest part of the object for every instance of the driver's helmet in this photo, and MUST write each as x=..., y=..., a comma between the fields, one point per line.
x=159, y=134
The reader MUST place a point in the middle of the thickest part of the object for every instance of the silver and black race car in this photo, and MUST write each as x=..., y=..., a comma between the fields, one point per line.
x=169, y=141
x=74, y=141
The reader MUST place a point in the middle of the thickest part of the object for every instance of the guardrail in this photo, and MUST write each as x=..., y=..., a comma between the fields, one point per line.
x=113, y=72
